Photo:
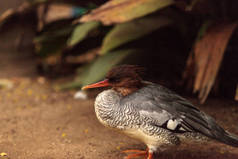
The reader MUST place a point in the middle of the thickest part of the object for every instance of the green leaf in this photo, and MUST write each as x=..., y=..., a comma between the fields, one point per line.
x=53, y=35
x=203, y=29
x=52, y=40
x=81, y=31
x=52, y=47
x=102, y=65
x=126, y=32
x=119, y=11
x=97, y=70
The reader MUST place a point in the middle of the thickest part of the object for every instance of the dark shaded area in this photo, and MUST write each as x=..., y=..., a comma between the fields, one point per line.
x=229, y=75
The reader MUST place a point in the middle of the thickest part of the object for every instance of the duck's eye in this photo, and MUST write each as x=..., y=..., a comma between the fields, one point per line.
x=113, y=80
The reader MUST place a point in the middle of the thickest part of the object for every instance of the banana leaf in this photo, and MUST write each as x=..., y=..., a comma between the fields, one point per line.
x=81, y=31
x=119, y=11
x=127, y=32
x=97, y=69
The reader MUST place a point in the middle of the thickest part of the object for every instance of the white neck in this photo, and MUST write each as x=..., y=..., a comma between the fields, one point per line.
x=106, y=104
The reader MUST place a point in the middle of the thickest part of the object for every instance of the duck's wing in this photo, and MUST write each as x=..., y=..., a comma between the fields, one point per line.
x=168, y=110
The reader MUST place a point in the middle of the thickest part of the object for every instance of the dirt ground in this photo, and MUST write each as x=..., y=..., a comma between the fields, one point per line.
x=37, y=122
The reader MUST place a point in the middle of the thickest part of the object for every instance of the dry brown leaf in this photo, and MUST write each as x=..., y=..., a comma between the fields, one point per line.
x=84, y=58
x=236, y=95
x=6, y=14
x=118, y=11
x=207, y=57
x=10, y=12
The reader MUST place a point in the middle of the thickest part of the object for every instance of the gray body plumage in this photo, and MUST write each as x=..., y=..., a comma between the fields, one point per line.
x=157, y=117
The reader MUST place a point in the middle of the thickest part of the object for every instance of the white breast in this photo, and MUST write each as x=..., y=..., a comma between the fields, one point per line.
x=153, y=142
x=106, y=104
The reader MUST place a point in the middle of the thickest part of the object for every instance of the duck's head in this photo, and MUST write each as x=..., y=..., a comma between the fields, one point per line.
x=124, y=79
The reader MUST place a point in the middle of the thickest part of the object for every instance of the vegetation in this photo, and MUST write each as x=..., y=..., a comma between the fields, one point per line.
x=98, y=34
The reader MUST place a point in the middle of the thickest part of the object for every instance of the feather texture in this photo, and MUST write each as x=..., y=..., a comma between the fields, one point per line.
x=163, y=106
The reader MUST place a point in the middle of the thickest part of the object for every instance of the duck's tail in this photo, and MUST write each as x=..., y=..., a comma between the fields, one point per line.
x=229, y=139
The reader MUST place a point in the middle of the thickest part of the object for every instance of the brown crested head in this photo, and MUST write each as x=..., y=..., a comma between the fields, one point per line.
x=124, y=79
x=125, y=76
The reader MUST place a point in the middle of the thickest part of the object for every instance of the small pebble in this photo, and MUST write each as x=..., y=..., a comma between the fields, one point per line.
x=3, y=154
x=80, y=95
x=41, y=80
x=86, y=131
x=63, y=135
x=5, y=83
x=118, y=148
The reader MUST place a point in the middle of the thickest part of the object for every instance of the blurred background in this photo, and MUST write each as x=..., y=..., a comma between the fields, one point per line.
x=49, y=49
x=188, y=45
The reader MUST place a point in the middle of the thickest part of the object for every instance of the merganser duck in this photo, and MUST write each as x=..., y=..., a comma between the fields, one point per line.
x=152, y=113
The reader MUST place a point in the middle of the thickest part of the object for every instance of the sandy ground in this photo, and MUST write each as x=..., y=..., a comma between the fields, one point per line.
x=37, y=122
